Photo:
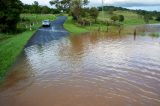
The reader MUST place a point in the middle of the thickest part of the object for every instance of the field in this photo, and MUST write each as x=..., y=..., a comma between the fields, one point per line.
x=11, y=45
x=131, y=19
x=74, y=28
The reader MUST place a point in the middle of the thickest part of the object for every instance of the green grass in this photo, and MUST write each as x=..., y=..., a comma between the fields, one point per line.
x=130, y=17
x=76, y=29
x=131, y=20
x=73, y=28
x=34, y=18
x=11, y=48
x=11, y=45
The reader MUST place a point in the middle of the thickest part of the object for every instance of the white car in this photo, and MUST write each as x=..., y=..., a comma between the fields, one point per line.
x=46, y=23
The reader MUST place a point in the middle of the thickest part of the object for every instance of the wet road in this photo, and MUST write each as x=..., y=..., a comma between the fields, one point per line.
x=46, y=34
x=93, y=69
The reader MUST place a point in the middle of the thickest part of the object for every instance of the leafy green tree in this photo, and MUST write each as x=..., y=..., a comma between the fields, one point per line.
x=158, y=18
x=63, y=5
x=35, y=8
x=45, y=10
x=94, y=13
x=71, y=6
x=9, y=15
x=77, y=8
x=146, y=19
x=121, y=18
x=114, y=18
x=85, y=12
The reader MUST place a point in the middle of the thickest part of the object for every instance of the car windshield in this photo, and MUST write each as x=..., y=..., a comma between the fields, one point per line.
x=46, y=21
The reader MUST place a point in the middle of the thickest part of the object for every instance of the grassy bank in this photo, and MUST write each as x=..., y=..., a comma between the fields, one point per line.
x=131, y=20
x=73, y=28
x=11, y=45
x=130, y=17
x=10, y=48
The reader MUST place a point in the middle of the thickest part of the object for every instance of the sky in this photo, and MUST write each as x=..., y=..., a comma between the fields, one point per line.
x=131, y=4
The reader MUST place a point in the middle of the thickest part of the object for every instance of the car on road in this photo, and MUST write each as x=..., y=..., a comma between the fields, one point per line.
x=46, y=23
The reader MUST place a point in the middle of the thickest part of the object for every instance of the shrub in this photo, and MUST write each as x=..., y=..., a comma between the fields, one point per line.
x=158, y=18
x=121, y=18
x=114, y=18
x=146, y=19
x=94, y=13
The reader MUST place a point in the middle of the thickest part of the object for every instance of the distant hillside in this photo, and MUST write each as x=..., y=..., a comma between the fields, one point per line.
x=140, y=12
x=108, y=8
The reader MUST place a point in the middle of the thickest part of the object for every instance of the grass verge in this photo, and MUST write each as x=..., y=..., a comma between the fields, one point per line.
x=11, y=45
x=73, y=28
x=10, y=48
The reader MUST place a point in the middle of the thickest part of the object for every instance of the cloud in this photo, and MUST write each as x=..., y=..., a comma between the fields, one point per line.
x=41, y=2
x=122, y=3
x=126, y=3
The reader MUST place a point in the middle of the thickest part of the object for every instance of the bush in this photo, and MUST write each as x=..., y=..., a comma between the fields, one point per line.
x=121, y=18
x=94, y=13
x=158, y=18
x=146, y=19
x=84, y=22
x=114, y=18
x=9, y=15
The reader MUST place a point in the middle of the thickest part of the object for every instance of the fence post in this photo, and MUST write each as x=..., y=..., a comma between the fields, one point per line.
x=30, y=27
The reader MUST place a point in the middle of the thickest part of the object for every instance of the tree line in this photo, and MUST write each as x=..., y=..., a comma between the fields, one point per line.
x=35, y=8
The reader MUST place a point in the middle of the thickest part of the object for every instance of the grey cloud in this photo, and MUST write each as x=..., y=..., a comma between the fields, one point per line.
x=132, y=4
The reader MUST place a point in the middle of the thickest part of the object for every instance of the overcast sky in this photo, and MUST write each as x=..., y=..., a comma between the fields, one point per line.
x=124, y=3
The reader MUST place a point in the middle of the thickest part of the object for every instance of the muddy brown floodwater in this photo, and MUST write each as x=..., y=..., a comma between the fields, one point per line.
x=93, y=69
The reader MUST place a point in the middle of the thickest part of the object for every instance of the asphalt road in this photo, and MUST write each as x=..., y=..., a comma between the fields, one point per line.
x=47, y=34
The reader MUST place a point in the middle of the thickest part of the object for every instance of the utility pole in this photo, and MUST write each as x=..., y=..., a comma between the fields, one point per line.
x=103, y=8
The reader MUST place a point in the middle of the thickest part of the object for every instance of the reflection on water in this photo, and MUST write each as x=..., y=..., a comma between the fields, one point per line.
x=93, y=69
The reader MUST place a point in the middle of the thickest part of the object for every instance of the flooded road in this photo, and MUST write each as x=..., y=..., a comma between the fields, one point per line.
x=92, y=69
x=47, y=34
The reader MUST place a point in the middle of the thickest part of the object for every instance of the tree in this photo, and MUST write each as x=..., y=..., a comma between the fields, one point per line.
x=114, y=18
x=72, y=6
x=146, y=19
x=9, y=15
x=77, y=7
x=45, y=10
x=61, y=5
x=158, y=18
x=121, y=18
x=94, y=13
x=35, y=8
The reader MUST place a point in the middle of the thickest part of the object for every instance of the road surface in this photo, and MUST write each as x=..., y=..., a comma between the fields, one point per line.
x=47, y=34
